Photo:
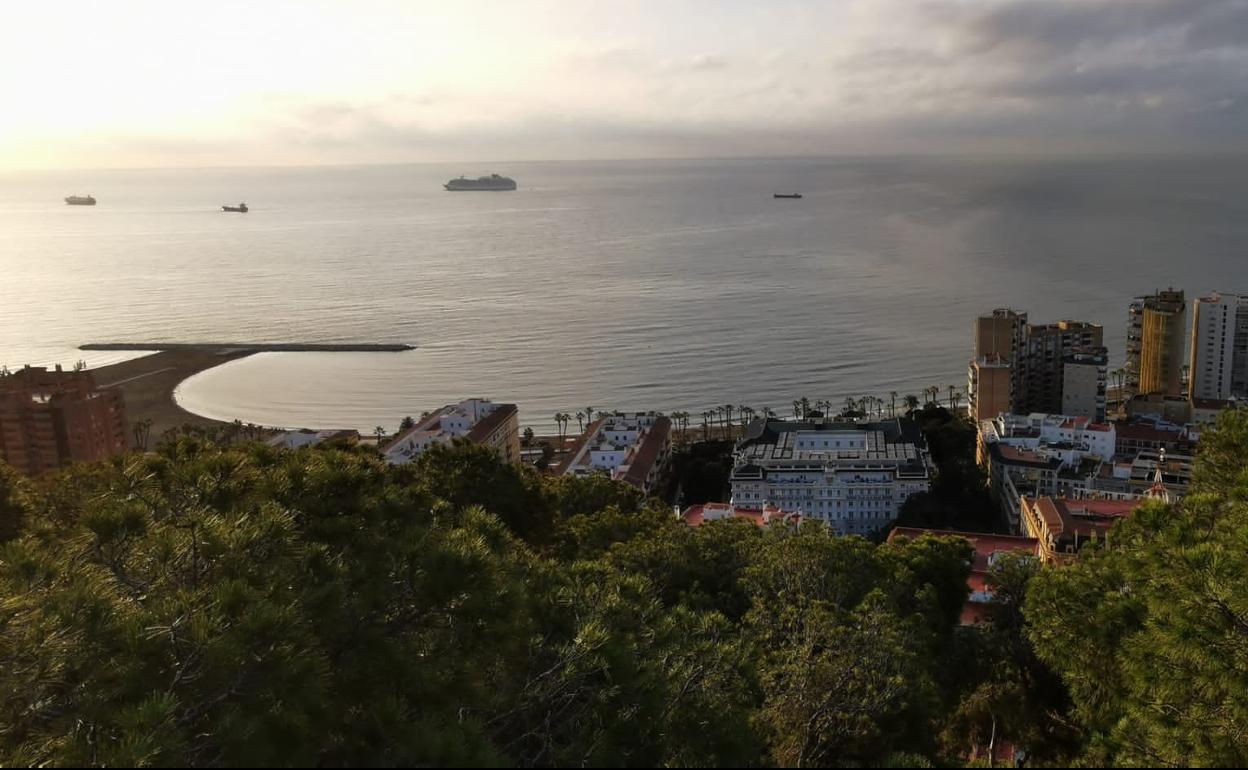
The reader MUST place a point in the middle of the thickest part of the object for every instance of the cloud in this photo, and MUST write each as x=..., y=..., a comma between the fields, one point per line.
x=796, y=76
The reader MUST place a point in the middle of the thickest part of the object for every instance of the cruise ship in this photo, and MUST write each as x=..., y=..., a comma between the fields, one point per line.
x=491, y=183
x=80, y=200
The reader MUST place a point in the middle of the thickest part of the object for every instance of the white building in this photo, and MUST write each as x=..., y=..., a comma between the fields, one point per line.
x=633, y=448
x=1219, y=352
x=295, y=439
x=1067, y=438
x=478, y=420
x=854, y=476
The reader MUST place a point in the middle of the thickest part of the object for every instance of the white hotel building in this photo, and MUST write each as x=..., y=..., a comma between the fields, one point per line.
x=854, y=476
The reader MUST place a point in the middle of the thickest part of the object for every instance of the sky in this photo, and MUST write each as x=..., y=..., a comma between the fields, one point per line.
x=131, y=83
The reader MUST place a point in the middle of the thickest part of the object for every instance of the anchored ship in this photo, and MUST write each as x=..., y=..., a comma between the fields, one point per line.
x=240, y=208
x=787, y=195
x=491, y=183
x=80, y=200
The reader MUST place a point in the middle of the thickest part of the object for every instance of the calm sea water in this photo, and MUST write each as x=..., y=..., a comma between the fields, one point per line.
x=632, y=285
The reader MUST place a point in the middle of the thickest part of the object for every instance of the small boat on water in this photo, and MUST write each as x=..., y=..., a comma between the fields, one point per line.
x=80, y=200
x=787, y=195
x=240, y=208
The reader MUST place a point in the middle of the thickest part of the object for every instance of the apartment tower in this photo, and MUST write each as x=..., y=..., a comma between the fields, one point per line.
x=1218, y=363
x=1155, y=342
x=51, y=418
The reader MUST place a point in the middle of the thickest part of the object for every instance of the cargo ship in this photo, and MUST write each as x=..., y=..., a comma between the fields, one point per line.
x=240, y=208
x=80, y=200
x=787, y=195
x=491, y=183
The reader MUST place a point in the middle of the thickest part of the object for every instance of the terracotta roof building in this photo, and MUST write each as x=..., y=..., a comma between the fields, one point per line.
x=633, y=448
x=1063, y=525
x=988, y=547
x=51, y=418
x=477, y=420
x=695, y=515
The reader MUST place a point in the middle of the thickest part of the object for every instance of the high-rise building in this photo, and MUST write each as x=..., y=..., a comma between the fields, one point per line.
x=990, y=374
x=988, y=386
x=1218, y=367
x=999, y=332
x=1042, y=382
x=51, y=418
x=1155, y=342
x=1084, y=373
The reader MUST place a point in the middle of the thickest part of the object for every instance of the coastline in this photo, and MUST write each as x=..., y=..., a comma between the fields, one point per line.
x=147, y=383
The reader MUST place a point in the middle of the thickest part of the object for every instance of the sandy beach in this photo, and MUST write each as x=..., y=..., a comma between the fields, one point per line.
x=148, y=384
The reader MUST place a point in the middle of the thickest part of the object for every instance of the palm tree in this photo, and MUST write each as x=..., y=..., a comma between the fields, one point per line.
x=706, y=424
x=728, y=418
x=805, y=407
x=380, y=433
x=912, y=402
x=678, y=420
x=589, y=414
x=768, y=412
x=747, y=416
x=580, y=421
x=142, y=432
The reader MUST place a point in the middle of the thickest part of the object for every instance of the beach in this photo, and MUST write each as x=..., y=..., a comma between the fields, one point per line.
x=148, y=383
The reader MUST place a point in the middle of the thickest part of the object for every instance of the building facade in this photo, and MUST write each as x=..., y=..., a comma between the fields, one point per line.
x=1023, y=368
x=476, y=420
x=1062, y=526
x=853, y=476
x=988, y=386
x=634, y=448
x=1155, y=342
x=990, y=375
x=51, y=418
x=1218, y=361
x=1042, y=383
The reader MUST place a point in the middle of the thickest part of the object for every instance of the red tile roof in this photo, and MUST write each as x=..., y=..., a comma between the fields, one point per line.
x=1083, y=518
x=482, y=429
x=425, y=423
x=1139, y=432
x=985, y=545
x=651, y=445
x=694, y=515
x=570, y=457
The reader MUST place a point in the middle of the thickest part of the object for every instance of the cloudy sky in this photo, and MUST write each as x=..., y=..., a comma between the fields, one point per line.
x=127, y=83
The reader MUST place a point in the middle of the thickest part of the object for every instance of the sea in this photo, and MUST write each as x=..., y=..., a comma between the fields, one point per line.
x=634, y=285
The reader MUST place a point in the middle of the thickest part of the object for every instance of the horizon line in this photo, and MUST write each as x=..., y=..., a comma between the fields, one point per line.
x=1124, y=154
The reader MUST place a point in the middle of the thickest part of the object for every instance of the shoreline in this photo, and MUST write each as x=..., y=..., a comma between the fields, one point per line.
x=148, y=383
